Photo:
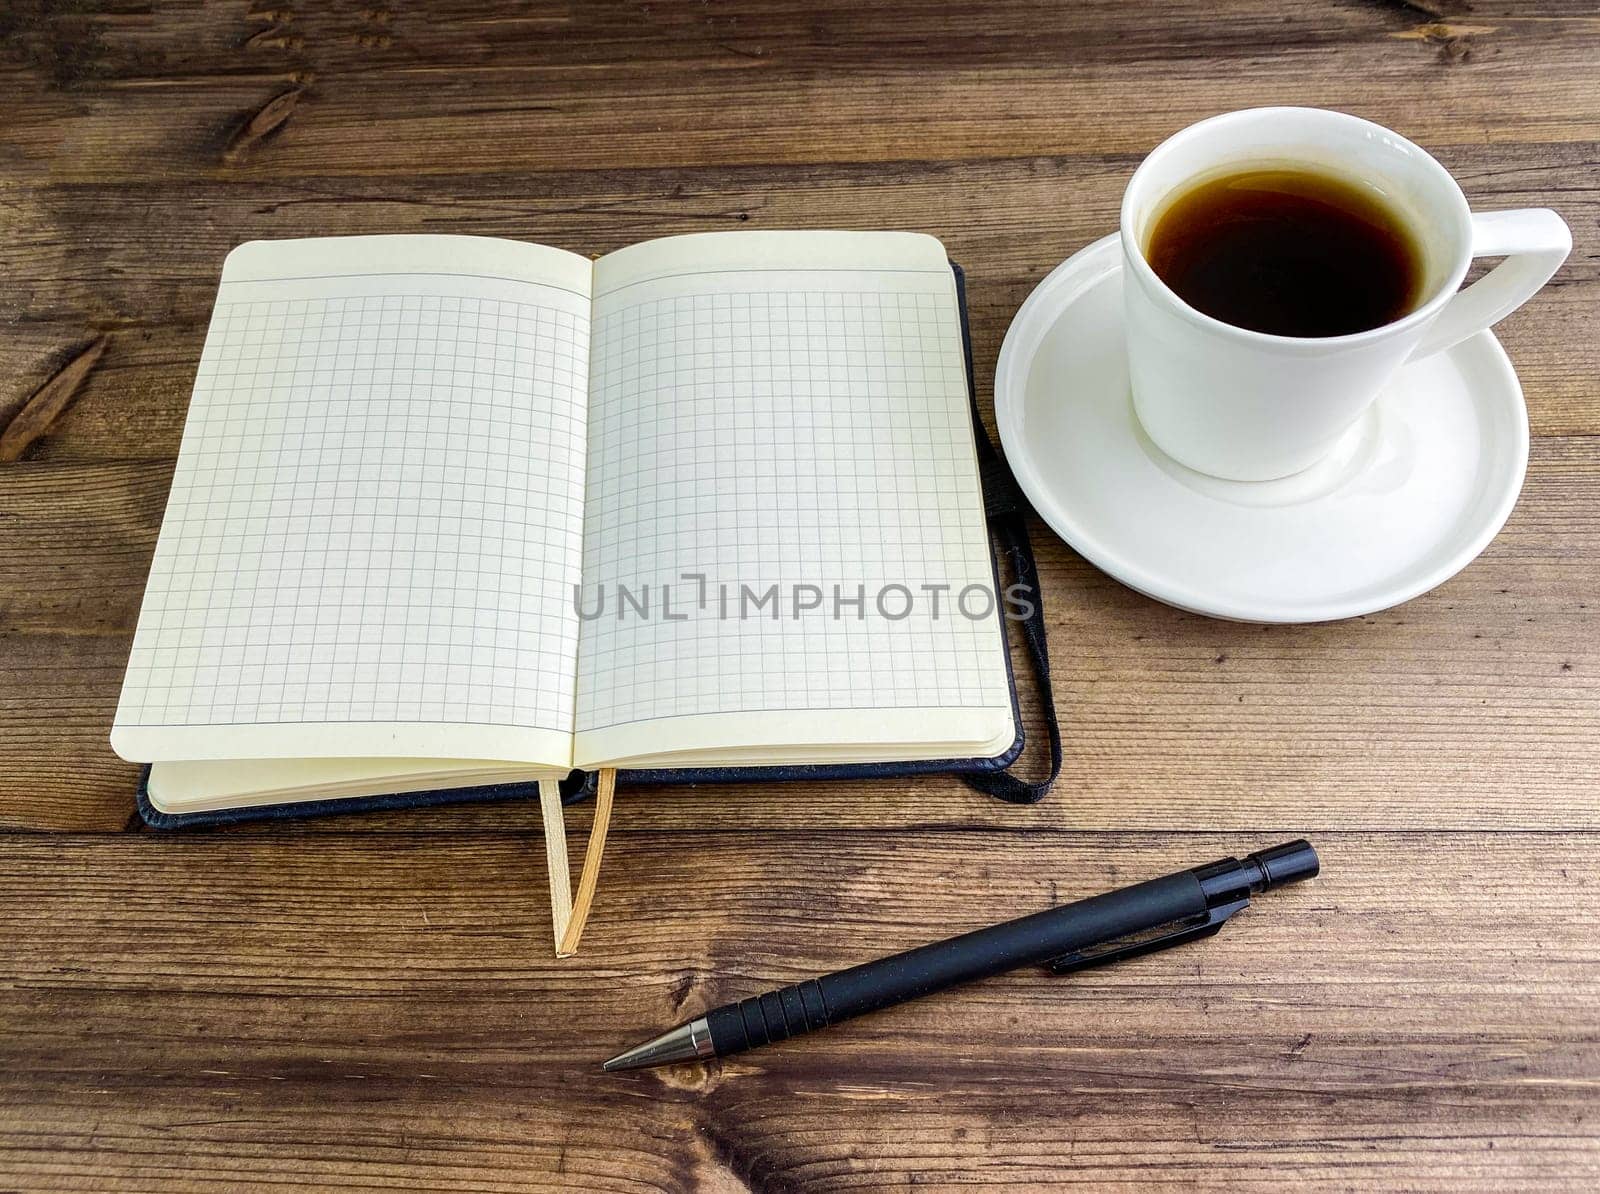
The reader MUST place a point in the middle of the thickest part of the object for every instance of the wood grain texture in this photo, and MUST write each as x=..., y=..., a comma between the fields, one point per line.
x=373, y=1009
x=366, y=1003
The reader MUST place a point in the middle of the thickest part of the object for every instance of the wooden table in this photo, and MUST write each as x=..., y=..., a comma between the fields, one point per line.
x=369, y=1002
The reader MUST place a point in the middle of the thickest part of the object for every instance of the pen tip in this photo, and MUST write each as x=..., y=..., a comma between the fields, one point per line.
x=683, y=1043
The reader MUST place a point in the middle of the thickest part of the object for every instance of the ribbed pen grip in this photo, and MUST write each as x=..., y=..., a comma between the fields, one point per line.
x=775, y=1016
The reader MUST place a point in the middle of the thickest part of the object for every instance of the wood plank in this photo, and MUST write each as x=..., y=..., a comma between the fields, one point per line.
x=133, y=405
x=757, y=85
x=1472, y=706
x=210, y=1009
x=154, y=285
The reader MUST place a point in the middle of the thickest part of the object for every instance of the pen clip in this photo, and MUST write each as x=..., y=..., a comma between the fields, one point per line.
x=1110, y=952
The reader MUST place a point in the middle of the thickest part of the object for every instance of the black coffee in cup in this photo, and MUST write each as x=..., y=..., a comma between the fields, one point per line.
x=1289, y=251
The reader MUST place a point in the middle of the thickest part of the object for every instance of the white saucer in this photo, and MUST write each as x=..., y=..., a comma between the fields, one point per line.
x=1414, y=491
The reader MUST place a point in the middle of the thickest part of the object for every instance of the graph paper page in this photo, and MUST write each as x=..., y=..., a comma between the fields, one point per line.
x=376, y=518
x=783, y=409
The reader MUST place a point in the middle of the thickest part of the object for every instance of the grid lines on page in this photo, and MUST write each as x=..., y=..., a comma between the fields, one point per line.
x=814, y=437
x=375, y=518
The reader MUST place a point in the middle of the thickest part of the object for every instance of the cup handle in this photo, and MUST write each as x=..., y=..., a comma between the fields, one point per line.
x=1534, y=242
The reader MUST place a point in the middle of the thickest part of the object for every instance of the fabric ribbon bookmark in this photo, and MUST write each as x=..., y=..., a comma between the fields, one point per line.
x=568, y=917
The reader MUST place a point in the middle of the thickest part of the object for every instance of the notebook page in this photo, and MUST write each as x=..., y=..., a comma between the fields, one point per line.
x=784, y=410
x=202, y=786
x=375, y=520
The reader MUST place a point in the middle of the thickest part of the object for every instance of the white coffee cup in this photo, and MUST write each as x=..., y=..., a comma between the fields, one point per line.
x=1249, y=406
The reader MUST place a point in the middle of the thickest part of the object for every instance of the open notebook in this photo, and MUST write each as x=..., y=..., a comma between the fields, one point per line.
x=453, y=511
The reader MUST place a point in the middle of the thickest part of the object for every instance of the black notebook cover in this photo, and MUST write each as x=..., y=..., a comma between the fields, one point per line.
x=580, y=784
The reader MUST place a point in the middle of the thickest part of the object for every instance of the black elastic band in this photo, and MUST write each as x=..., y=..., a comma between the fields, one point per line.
x=1007, y=512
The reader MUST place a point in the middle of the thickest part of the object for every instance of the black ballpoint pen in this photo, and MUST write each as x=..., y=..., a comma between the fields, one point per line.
x=1104, y=928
